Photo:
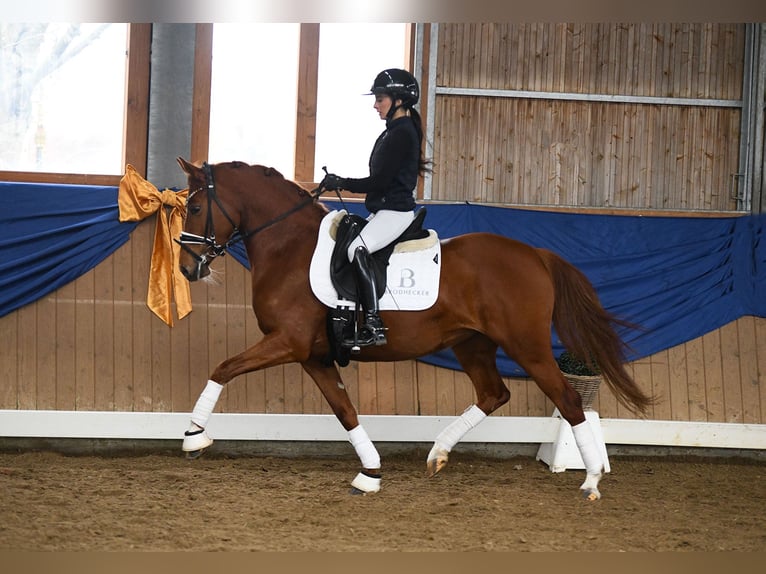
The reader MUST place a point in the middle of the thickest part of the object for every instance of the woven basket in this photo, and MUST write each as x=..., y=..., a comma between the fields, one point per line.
x=586, y=386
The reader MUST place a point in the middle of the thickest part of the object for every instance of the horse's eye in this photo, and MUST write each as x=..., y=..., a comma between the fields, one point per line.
x=194, y=209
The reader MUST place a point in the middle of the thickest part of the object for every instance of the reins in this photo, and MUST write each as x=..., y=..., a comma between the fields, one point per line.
x=215, y=249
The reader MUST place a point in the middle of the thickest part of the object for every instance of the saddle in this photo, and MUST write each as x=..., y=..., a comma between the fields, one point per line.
x=341, y=270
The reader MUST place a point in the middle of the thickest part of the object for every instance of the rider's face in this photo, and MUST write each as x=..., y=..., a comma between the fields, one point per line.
x=383, y=103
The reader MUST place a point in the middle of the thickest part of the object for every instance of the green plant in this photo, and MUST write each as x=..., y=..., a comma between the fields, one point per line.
x=572, y=365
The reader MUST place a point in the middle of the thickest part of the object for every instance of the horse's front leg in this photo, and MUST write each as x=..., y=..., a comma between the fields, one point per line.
x=330, y=384
x=273, y=349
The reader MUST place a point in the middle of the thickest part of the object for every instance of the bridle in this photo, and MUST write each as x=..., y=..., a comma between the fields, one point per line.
x=213, y=248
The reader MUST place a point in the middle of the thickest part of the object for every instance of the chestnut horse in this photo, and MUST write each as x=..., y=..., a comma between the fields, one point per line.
x=493, y=292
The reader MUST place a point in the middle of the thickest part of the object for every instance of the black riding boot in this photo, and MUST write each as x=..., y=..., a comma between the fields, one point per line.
x=368, y=293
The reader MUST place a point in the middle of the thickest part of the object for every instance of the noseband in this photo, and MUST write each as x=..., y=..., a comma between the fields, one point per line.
x=215, y=249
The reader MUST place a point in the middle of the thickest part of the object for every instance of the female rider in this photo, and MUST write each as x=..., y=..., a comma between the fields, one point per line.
x=396, y=162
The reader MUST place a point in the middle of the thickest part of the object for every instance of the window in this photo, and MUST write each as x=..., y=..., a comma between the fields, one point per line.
x=254, y=97
x=350, y=56
x=62, y=106
x=253, y=94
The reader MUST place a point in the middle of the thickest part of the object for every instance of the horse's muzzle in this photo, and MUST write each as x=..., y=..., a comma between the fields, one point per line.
x=195, y=272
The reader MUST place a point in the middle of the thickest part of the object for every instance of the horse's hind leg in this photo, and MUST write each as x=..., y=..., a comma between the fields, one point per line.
x=330, y=384
x=477, y=357
x=548, y=377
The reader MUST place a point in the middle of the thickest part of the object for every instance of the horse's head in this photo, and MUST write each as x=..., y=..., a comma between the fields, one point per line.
x=209, y=226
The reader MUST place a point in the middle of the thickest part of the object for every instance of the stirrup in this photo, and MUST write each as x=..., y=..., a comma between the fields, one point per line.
x=377, y=335
x=372, y=333
x=366, y=338
x=374, y=326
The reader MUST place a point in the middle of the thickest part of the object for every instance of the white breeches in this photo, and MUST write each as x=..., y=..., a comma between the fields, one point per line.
x=381, y=229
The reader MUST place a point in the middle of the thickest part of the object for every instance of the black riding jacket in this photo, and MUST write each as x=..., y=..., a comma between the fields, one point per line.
x=393, y=169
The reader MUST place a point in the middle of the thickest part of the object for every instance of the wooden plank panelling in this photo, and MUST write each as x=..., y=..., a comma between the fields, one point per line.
x=711, y=344
x=748, y=370
x=639, y=59
x=760, y=361
x=9, y=361
x=27, y=349
x=141, y=239
x=103, y=336
x=732, y=387
x=695, y=380
x=548, y=152
x=66, y=393
x=84, y=341
x=123, y=327
x=719, y=377
x=589, y=153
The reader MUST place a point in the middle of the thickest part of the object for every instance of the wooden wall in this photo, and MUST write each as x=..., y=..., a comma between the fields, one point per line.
x=94, y=345
x=544, y=151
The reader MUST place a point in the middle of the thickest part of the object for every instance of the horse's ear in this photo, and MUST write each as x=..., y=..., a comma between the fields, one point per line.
x=189, y=168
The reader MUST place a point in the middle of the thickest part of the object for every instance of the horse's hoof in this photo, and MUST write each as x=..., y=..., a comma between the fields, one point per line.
x=436, y=461
x=591, y=494
x=195, y=442
x=194, y=454
x=356, y=492
x=589, y=488
x=434, y=466
x=365, y=483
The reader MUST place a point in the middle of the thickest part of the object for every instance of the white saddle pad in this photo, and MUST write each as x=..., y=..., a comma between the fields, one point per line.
x=413, y=270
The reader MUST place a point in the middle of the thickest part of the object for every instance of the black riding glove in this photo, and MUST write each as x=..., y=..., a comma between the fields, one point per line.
x=333, y=182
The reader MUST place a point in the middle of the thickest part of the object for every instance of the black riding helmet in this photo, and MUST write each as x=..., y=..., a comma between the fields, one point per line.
x=399, y=84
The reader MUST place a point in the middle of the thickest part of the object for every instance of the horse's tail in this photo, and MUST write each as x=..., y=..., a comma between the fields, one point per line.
x=587, y=331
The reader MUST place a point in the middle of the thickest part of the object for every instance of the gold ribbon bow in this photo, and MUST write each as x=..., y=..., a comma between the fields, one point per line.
x=138, y=199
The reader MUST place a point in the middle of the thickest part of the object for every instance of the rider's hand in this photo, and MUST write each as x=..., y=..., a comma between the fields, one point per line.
x=332, y=182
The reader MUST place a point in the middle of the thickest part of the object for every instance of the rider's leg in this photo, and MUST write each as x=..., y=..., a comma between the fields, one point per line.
x=368, y=292
x=382, y=228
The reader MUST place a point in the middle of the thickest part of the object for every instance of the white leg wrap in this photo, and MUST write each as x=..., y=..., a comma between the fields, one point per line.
x=450, y=436
x=206, y=403
x=196, y=438
x=366, y=451
x=586, y=442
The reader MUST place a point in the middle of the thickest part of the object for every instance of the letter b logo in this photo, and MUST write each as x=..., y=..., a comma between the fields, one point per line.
x=407, y=279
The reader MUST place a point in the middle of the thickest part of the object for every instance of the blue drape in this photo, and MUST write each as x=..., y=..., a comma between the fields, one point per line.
x=52, y=234
x=678, y=277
